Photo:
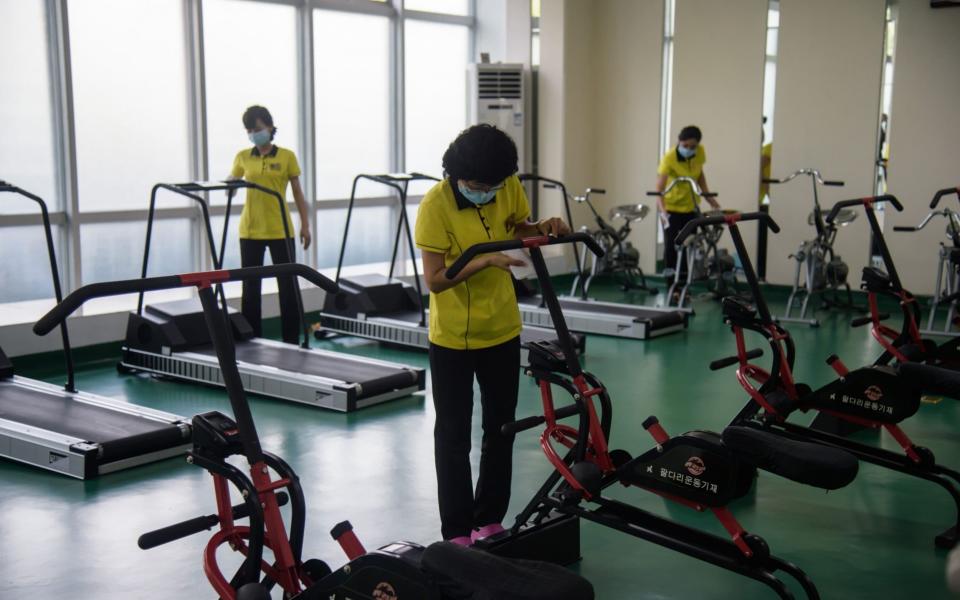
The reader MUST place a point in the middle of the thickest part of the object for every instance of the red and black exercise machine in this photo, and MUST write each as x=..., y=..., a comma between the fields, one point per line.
x=399, y=570
x=875, y=397
x=702, y=470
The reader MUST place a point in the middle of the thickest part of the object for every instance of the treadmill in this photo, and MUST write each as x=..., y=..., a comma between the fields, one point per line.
x=75, y=433
x=170, y=339
x=388, y=309
x=587, y=315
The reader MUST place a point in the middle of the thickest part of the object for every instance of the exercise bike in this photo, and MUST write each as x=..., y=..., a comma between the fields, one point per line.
x=818, y=269
x=701, y=470
x=699, y=259
x=399, y=571
x=907, y=344
x=878, y=397
x=947, y=287
x=620, y=258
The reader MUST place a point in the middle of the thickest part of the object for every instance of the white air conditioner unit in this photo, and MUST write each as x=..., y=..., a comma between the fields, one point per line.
x=496, y=94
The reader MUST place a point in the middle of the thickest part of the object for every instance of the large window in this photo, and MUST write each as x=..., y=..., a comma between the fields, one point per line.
x=251, y=58
x=130, y=99
x=106, y=98
x=352, y=80
x=27, y=157
x=436, y=92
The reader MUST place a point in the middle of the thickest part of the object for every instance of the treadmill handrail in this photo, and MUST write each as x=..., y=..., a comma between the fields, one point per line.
x=6, y=186
x=520, y=243
x=78, y=297
x=204, y=209
x=566, y=203
x=399, y=183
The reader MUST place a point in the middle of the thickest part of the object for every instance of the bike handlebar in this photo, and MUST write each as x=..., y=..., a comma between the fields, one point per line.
x=530, y=242
x=864, y=201
x=692, y=226
x=74, y=300
x=688, y=180
x=944, y=192
x=815, y=173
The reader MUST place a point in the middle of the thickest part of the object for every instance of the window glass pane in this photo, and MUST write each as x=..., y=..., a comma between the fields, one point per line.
x=25, y=105
x=21, y=283
x=130, y=99
x=114, y=251
x=372, y=230
x=242, y=71
x=453, y=7
x=436, y=94
x=352, y=58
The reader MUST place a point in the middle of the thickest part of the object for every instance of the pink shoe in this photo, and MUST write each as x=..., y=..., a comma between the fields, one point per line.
x=463, y=540
x=486, y=531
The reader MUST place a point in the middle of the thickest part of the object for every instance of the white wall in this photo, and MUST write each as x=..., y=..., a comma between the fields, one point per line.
x=718, y=66
x=626, y=110
x=924, y=129
x=827, y=109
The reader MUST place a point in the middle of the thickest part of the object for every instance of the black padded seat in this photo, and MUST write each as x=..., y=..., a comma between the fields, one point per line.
x=932, y=380
x=465, y=573
x=875, y=280
x=804, y=462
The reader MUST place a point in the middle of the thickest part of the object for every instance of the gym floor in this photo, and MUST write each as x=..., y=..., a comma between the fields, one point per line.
x=873, y=539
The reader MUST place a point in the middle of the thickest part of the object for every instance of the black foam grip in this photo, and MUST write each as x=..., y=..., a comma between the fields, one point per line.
x=903, y=228
x=722, y=363
x=944, y=192
x=692, y=226
x=833, y=182
x=531, y=422
x=180, y=530
x=933, y=380
x=861, y=321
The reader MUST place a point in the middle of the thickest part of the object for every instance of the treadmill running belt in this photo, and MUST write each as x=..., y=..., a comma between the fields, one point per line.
x=374, y=379
x=60, y=413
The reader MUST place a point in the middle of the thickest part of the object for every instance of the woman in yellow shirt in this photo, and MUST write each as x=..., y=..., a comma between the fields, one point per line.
x=474, y=323
x=678, y=206
x=261, y=224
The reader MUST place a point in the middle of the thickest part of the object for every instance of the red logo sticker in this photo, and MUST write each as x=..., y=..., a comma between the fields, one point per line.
x=874, y=393
x=384, y=591
x=695, y=465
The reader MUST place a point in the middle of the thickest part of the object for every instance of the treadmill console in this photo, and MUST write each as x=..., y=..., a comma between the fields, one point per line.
x=215, y=436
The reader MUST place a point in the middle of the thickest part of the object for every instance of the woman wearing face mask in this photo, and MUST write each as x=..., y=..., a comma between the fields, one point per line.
x=678, y=207
x=261, y=227
x=474, y=323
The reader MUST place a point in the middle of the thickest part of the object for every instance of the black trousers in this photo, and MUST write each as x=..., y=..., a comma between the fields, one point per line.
x=497, y=370
x=251, y=255
x=675, y=221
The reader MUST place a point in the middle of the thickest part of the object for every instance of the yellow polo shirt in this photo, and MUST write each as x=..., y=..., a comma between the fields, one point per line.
x=681, y=199
x=260, y=219
x=482, y=311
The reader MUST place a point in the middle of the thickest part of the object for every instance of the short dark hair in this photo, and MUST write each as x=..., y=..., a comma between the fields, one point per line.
x=690, y=132
x=255, y=112
x=481, y=153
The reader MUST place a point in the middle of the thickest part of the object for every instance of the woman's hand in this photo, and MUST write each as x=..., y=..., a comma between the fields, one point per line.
x=504, y=261
x=554, y=226
x=305, y=237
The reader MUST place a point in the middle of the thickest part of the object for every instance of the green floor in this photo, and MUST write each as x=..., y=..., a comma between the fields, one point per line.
x=874, y=539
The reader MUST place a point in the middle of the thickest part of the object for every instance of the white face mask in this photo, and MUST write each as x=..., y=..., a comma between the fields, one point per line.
x=259, y=138
x=686, y=152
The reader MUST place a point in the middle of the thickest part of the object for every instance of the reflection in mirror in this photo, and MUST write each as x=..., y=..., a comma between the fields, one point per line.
x=766, y=130
x=882, y=167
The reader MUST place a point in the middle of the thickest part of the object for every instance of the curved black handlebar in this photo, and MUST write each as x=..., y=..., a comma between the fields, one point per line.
x=944, y=192
x=692, y=226
x=74, y=300
x=517, y=244
x=864, y=201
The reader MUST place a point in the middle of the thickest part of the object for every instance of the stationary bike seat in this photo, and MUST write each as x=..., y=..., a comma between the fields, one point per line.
x=465, y=573
x=804, y=462
x=874, y=280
